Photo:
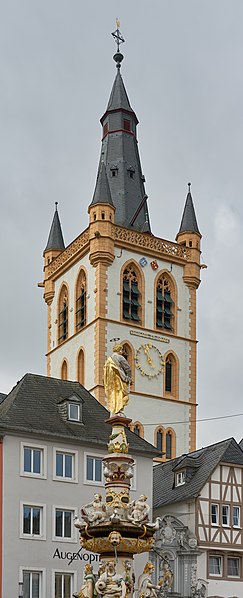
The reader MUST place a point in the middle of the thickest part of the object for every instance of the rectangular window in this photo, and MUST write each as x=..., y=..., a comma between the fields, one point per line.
x=64, y=465
x=33, y=460
x=214, y=514
x=180, y=478
x=31, y=584
x=74, y=412
x=233, y=567
x=215, y=565
x=93, y=469
x=63, y=585
x=236, y=516
x=32, y=520
x=63, y=523
x=225, y=515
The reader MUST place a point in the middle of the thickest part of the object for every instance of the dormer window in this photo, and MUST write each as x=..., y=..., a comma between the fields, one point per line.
x=131, y=172
x=74, y=412
x=180, y=478
x=114, y=171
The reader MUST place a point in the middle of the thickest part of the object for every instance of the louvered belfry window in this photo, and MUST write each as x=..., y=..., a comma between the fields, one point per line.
x=81, y=301
x=164, y=304
x=63, y=316
x=130, y=297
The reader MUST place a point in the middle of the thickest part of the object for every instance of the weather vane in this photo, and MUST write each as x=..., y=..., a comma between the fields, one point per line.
x=117, y=36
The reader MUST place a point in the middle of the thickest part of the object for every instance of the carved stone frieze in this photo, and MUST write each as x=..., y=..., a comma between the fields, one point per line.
x=68, y=253
x=126, y=545
x=152, y=243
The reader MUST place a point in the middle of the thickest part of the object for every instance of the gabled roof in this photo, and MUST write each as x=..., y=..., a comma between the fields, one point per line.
x=202, y=463
x=55, y=239
x=32, y=407
x=189, y=220
x=102, y=192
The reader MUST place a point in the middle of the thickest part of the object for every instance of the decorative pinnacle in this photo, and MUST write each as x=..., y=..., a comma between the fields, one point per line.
x=56, y=204
x=118, y=57
x=189, y=187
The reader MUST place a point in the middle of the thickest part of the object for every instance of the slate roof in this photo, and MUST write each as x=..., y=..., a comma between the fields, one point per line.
x=2, y=397
x=119, y=153
x=55, y=239
x=189, y=220
x=118, y=97
x=102, y=192
x=33, y=407
x=200, y=465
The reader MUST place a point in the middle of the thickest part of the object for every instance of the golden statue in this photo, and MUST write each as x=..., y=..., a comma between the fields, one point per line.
x=117, y=378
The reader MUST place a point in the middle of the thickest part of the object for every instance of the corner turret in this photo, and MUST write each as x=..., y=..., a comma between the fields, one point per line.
x=190, y=236
x=55, y=245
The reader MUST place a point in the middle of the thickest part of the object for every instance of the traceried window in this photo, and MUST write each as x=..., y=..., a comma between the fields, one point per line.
x=165, y=441
x=214, y=514
x=81, y=301
x=31, y=584
x=63, y=315
x=164, y=303
x=215, y=565
x=130, y=295
x=138, y=429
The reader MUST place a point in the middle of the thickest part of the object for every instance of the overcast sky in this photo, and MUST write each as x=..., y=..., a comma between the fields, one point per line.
x=184, y=77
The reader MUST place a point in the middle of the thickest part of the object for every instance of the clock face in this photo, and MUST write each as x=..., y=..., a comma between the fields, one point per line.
x=149, y=360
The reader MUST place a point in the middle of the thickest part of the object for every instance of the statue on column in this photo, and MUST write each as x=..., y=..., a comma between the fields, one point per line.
x=117, y=379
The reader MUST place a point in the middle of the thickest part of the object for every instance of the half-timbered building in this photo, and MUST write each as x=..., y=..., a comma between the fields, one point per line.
x=204, y=490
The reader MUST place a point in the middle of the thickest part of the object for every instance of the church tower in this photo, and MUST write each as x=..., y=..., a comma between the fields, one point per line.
x=118, y=282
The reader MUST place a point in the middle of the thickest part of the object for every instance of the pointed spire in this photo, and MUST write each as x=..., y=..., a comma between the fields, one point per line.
x=118, y=98
x=55, y=239
x=189, y=220
x=102, y=192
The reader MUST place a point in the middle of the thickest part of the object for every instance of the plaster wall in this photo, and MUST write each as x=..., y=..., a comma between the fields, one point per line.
x=39, y=554
x=69, y=350
x=185, y=511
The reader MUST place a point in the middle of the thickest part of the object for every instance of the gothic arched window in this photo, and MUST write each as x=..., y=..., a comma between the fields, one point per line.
x=138, y=429
x=80, y=367
x=159, y=439
x=81, y=289
x=62, y=319
x=64, y=370
x=168, y=445
x=164, y=302
x=131, y=308
x=171, y=375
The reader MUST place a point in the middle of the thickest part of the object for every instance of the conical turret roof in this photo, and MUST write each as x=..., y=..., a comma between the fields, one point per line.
x=189, y=220
x=55, y=239
x=102, y=192
x=120, y=180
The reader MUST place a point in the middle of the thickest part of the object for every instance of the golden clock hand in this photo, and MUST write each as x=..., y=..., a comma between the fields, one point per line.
x=149, y=358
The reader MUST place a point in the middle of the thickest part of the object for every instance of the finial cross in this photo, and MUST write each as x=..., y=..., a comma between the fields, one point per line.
x=117, y=36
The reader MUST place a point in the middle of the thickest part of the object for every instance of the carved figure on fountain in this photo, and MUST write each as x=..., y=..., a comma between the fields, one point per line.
x=129, y=578
x=139, y=510
x=110, y=583
x=146, y=588
x=94, y=512
x=88, y=588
